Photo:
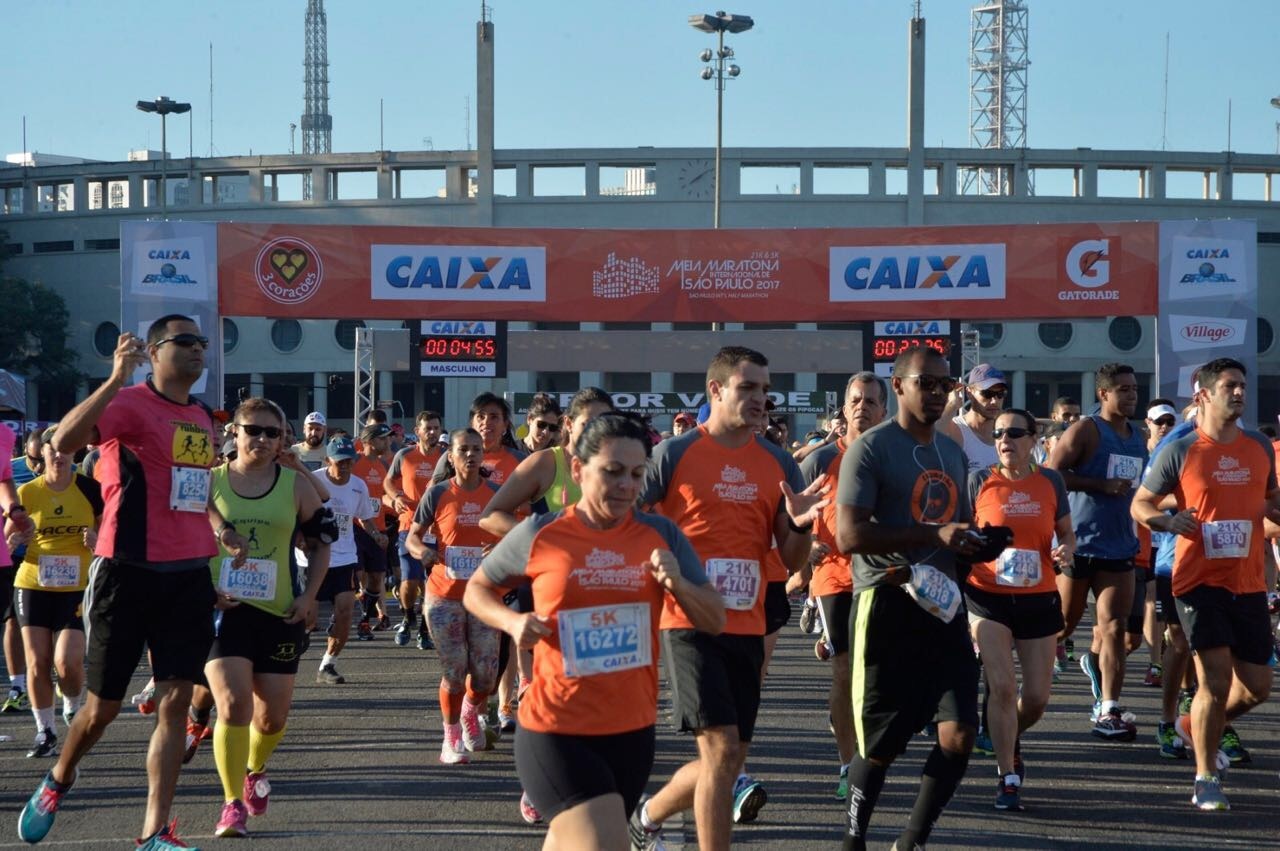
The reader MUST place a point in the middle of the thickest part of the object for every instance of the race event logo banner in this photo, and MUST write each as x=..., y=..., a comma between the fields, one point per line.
x=1067, y=271
x=171, y=267
x=1208, y=302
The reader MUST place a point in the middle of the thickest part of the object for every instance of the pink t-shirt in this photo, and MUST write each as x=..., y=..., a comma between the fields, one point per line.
x=7, y=441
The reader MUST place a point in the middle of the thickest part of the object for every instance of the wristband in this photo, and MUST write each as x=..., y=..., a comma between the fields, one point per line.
x=803, y=530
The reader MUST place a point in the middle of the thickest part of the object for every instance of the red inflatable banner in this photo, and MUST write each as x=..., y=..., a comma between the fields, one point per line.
x=768, y=275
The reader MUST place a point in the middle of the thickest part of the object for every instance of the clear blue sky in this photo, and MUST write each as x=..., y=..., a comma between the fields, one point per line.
x=587, y=73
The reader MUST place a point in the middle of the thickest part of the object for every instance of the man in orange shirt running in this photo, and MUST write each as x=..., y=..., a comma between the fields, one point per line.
x=1224, y=480
x=732, y=493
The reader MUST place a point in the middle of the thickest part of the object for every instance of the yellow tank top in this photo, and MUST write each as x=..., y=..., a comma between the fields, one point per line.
x=57, y=559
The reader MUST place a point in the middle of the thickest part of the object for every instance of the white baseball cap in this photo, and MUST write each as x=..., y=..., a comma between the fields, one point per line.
x=314, y=417
x=1158, y=411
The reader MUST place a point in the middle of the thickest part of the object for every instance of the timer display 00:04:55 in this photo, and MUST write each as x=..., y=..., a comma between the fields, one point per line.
x=473, y=348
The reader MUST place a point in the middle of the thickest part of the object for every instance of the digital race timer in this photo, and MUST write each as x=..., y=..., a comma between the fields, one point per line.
x=444, y=348
x=884, y=341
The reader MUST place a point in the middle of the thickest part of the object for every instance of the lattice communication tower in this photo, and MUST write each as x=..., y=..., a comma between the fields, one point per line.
x=997, y=89
x=317, y=124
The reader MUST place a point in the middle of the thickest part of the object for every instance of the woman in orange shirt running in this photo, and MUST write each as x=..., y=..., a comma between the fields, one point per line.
x=1013, y=601
x=599, y=571
x=468, y=648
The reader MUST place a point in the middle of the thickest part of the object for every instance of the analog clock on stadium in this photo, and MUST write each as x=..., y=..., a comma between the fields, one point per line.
x=696, y=179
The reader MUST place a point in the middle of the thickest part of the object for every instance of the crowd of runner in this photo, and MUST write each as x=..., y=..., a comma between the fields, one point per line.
x=555, y=576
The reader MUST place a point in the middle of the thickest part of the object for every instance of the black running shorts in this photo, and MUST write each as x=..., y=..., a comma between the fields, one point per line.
x=247, y=632
x=1214, y=617
x=338, y=580
x=1166, y=609
x=836, y=609
x=131, y=607
x=373, y=558
x=777, y=608
x=715, y=679
x=559, y=772
x=52, y=610
x=1027, y=616
x=1086, y=567
x=909, y=668
x=1138, y=611
x=7, y=575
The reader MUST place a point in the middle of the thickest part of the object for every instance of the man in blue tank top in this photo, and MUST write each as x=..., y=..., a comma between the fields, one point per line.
x=1101, y=459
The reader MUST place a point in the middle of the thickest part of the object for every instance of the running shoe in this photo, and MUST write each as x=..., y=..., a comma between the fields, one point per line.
x=1229, y=745
x=196, y=733
x=1185, y=699
x=1171, y=744
x=145, y=700
x=982, y=744
x=1155, y=675
x=167, y=838
x=36, y=819
x=1070, y=646
x=1208, y=794
x=329, y=674
x=1060, y=659
x=424, y=642
x=822, y=649
x=1007, y=794
x=749, y=797
x=257, y=792
x=452, y=750
x=1114, y=727
x=234, y=820
x=809, y=618
x=472, y=732
x=528, y=811
x=642, y=838
x=383, y=624
x=1095, y=714
x=842, y=788
x=1091, y=671
x=46, y=742
x=402, y=635
x=507, y=718
x=364, y=632
x=17, y=701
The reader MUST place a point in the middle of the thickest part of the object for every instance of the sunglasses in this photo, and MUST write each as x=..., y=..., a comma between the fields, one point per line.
x=272, y=432
x=186, y=341
x=1012, y=432
x=933, y=383
x=554, y=428
x=1165, y=421
x=993, y=394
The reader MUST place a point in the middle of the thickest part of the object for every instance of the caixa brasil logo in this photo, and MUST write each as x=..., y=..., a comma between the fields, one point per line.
x=168, y=273
x=288, y=270
x=1208, y=272
x=483, y=273
x=917, y=273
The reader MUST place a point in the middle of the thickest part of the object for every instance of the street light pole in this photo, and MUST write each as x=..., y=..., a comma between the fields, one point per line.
x=163, y=106
x=1275, y=101
x=719, y=23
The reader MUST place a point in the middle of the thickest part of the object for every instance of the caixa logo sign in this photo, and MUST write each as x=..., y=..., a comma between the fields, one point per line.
x=1198, y=332
x=479, y=273
x=917, y=273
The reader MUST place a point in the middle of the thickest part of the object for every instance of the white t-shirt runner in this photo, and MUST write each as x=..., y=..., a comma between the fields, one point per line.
x=349, y=503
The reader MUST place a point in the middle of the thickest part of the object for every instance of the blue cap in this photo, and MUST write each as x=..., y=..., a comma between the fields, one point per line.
x=341, y=449
x=985, y=376
x=704, y=412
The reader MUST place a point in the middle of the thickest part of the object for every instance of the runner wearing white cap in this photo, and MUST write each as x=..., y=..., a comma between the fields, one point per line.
x=311, y=448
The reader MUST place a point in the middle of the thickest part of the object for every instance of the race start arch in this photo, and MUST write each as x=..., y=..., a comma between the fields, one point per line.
x=1198, y=277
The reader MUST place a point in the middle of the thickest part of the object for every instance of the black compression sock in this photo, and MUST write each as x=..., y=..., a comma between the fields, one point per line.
x=866, y=779
x=371, y=605
x=943, y=772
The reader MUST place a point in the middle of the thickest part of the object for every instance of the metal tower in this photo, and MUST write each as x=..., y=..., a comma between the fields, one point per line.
x=997, y=89
x=317, y=124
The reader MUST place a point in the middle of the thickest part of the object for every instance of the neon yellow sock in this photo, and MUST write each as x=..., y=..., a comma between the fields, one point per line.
x=231, y=752
x=261, y=747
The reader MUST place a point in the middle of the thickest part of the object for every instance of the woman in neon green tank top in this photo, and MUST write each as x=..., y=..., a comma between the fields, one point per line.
x=264, y=614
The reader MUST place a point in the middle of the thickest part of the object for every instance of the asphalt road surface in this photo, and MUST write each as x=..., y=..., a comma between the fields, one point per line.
x=359, y=768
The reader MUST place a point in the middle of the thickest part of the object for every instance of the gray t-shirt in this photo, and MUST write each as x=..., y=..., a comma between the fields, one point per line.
x=904, y=483
x=313, y=458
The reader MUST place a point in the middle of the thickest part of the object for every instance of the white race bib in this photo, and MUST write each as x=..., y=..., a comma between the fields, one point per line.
x=1018, y=568
x=605, y=639
x=189, y=489
x=737, y=580
x=934, y=591
x=344, y=525
x=1125, y=467
x=461, y=562
x=256, y=580
x=59, y=571
x=1226, y=538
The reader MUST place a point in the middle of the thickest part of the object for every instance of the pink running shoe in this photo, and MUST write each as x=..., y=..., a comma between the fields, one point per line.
x=233, y=821
x=257, y=789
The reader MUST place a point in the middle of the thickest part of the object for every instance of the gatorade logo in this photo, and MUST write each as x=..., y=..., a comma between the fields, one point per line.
x=1089, y=264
